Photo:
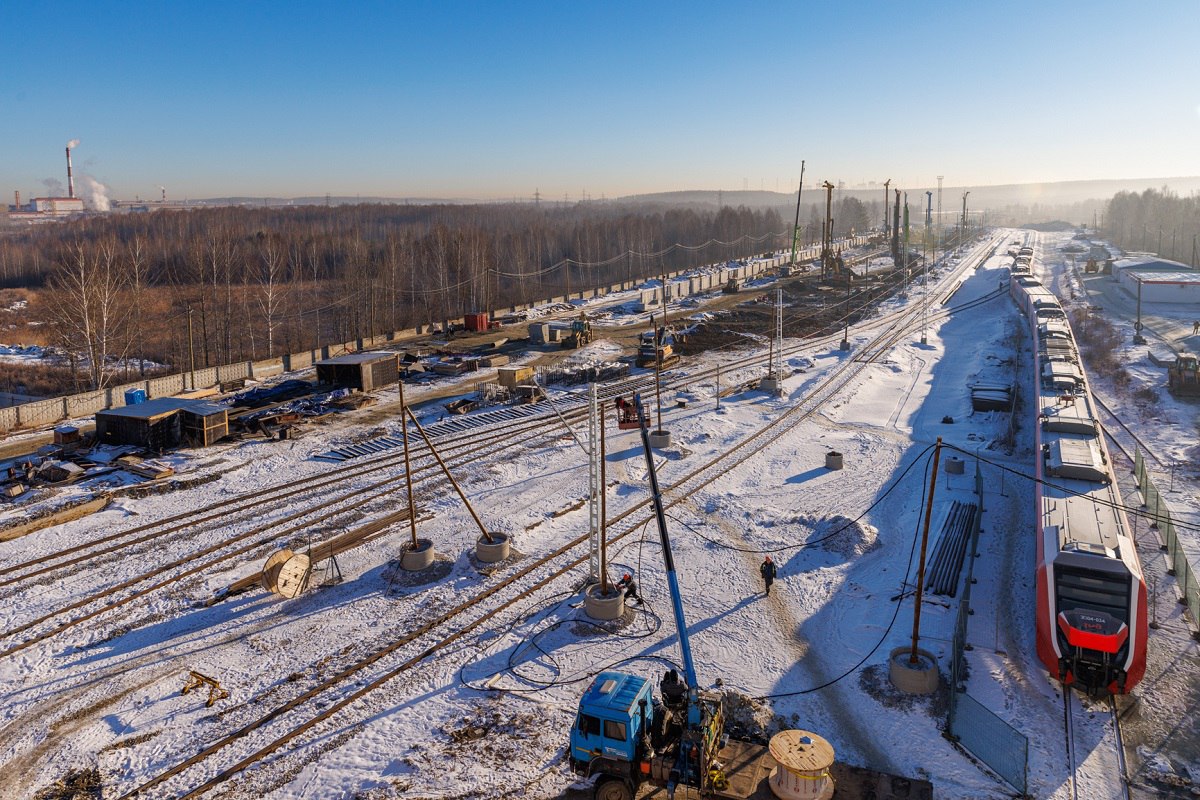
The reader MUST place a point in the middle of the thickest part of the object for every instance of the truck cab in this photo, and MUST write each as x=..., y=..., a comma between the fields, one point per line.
x=614, y=713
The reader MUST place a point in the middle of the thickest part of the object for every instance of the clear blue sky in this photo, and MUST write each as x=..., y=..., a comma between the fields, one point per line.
x=497, y=99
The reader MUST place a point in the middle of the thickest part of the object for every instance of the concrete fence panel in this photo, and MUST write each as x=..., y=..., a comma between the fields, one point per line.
x=265, y=368
x=295, y=361
x=78, y=405
x=165, y=386
x=202, y=378
x=8, y=418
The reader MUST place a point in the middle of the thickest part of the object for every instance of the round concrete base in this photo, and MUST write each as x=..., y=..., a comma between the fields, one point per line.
x=417, y=558
x=660, y=438
x=603, y=606
x=833, y=460
x=770, y=385
x=845, y=345
x=955, y=466
x=919, y=678
x=496, y=550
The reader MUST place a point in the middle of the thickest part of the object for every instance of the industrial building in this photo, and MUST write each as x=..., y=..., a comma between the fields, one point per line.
x=1159, y=280
x=52, y=206
x=56, y=205
x=363, y=371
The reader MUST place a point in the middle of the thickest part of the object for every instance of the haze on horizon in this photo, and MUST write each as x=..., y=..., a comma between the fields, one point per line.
x=491, y=101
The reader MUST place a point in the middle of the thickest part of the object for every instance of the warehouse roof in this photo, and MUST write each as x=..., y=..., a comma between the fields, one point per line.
x=151, y=408
x=164, y=406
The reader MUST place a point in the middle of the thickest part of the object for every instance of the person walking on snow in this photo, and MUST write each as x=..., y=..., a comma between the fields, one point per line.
x=630, y=586
x=768, y=572
x=1195, y=328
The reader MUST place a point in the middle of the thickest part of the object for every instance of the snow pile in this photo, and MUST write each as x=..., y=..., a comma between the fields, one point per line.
x=842, y=535
x=17, y=352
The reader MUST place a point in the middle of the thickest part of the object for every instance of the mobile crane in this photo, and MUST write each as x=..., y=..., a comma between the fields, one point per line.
x=623, y=737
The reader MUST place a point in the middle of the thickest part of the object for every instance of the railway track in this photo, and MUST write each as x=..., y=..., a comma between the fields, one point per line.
x=1105, y=778
x=1127, y=431
x=464, y=451
x=451, y=624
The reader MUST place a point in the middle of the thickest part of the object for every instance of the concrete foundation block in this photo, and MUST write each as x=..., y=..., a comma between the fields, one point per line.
x=419, y=557
x=496, y=550
x=603, y=606
x=919, y=678
x=660, y=439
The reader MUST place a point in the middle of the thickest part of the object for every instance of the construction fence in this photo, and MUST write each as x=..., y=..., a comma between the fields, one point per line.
x=1160, y=517
x=972, y=725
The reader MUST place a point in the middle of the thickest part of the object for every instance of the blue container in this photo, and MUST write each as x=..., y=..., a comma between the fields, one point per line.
x=135, y=396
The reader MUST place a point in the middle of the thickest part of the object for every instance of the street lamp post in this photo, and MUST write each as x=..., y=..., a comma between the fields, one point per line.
x=1137, y=326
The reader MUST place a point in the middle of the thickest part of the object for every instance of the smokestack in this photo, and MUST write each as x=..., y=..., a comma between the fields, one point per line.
x=17, y=197
x=70, y=180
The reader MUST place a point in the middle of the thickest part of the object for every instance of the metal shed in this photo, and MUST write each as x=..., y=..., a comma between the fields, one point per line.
x=363, y=371
x=154, y=425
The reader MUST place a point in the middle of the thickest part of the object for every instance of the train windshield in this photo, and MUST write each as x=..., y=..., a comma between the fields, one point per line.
x=1095, y=591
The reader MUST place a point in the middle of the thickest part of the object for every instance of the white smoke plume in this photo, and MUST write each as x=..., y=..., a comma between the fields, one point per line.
x=54, y=187
x=94, y=194
x=73, y=144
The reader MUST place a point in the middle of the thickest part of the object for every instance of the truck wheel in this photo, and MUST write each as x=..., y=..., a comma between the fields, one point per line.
x=613, y=790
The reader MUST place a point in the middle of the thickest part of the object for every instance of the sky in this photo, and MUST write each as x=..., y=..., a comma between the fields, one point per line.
x=599, y=99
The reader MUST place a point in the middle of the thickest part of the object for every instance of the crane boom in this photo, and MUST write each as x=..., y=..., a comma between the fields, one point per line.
x=685, y=646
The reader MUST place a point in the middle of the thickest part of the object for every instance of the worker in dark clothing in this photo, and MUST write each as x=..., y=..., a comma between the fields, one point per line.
x=768, y=572
x=672, y=689
x=630, y=586
x=1195, y=327
x=622, y=411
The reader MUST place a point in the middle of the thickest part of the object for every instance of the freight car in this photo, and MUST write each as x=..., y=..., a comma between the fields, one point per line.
x=1091, y=595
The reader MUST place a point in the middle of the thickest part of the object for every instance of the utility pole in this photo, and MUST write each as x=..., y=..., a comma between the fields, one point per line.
x=796, y=227
x=912, y=659
x=827, y=235
x=886, y=184
x=191, y=351
x=963, y=238
x=596, y=567
x=937, y=236
x=779, y=344
x=896, y=260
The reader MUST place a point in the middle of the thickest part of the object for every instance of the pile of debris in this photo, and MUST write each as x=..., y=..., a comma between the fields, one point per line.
x=570, y=375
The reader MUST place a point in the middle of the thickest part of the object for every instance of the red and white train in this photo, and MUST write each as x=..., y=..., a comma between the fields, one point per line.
x=1091, y=596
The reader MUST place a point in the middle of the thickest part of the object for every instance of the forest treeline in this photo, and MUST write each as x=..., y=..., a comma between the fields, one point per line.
x=1156, y=220
x=255, y=282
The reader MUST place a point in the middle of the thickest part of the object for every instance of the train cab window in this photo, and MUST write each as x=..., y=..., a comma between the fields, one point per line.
x=1098, y=591
x=614, y=730
x=589, y=725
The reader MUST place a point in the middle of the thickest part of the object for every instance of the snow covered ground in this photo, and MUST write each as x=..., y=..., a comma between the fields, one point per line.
x=489, y=717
